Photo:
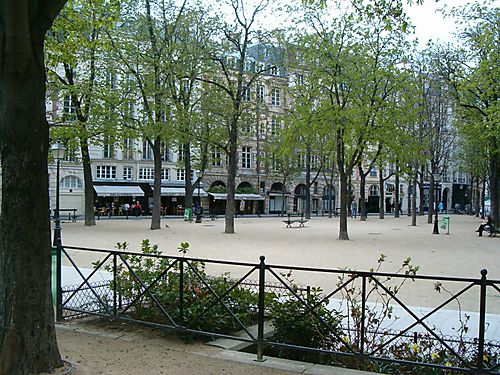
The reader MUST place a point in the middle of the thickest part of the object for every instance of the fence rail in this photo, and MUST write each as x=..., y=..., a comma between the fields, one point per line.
x=351, y=325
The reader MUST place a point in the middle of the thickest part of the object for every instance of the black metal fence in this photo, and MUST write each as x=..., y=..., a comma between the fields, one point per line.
x=362, y=321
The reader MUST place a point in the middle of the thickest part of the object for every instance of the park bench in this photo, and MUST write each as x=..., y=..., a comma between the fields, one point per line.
x=70, y=213
x=492, y=231
x=290, y=221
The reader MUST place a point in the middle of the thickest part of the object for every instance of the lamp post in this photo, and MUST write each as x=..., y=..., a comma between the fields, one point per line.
x=437, y=178
x=57, y=151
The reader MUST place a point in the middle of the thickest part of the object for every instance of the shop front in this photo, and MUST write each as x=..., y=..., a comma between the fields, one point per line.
x=111, y=200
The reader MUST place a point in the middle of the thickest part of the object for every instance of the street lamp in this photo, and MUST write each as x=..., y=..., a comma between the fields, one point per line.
x=57, y=151
x=437, y=178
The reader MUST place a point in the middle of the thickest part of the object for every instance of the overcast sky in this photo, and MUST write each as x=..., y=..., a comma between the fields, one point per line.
x=429, y=23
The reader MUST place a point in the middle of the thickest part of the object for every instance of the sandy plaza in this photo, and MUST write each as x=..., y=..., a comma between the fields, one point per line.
x=461, y=253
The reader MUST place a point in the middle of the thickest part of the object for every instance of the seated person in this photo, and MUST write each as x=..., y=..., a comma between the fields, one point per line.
x=489, y=223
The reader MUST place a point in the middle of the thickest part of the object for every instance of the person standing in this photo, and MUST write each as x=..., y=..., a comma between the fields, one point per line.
x=354, y=209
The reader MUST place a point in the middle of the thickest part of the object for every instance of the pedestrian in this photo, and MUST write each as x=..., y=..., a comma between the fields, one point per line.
x=440, y=206
x=482, y=227
x=126, y=208
x=354, y=209
x=138, y=208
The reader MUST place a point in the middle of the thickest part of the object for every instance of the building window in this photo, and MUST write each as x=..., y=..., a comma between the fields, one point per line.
x=165, y=174
x=147, y=151
x=146, y=174
x=70, y=154
x=181, y=175
x=373, y=173
x=69, y=109
x=300, y=161
x=105, y=171
x=374, y=190
x=246, y=157
x=127, y=148
x=180, y=156
x=315, y=188
x=276, y=96
x=111, y=79
x=300, y=79
x=108, y=151
x=245, y=95
x=127, y=173
x=275, y=126
x=165, y=152
x=260, y=93
x=274, y=70
x=71, y=182
x=216, y=157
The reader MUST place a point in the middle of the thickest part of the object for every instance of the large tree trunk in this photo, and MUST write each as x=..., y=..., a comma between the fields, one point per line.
x=344, y=200
x=27, y=333
x=483, y=192
x=156, y=215
x=231, y=176
x=88, y=182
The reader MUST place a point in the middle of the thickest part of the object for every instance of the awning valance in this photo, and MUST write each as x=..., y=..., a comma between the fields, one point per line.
x=239, y=197
x=180, y=192
x=118, y=191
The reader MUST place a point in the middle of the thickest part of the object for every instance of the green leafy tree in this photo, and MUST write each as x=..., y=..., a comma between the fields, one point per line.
x=472, y=72
x=78, y=78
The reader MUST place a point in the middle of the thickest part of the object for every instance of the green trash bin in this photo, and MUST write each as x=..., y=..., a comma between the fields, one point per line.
x=188, y=214
x=445, y=224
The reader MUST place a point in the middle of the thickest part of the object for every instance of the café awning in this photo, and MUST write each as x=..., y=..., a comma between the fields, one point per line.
x=180, y=192
x=118, y=191
x=239, y=197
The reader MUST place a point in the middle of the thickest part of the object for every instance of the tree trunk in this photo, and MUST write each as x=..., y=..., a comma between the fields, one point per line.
x=362, y=194
x=409, y=203
x=231, y=176
x=414, y=199
x=432, y=193
x=483, y=192
x=397, y=205
x=344, y=200
x=421, y=192
x=188, y=184
x=308, y=183
x=381, y=206
x=495, y=189
x=27, y=333
x=89, y=184
x=155, y=215
x=477, y=199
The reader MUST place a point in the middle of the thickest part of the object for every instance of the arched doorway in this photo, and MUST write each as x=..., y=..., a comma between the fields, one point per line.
x=299, y=199
x=245, y=205
x=278, y=199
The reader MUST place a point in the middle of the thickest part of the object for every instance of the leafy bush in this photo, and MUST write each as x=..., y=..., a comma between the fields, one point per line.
x=199, y=308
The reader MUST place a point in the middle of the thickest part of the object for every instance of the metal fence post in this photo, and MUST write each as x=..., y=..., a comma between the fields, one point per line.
x=363, y=314
x=181, y=292
x=482, y=320
x=260, y=332
x=115, y=284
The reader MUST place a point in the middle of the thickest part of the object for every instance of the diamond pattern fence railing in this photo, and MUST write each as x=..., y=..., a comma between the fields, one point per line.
x=353, y=319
